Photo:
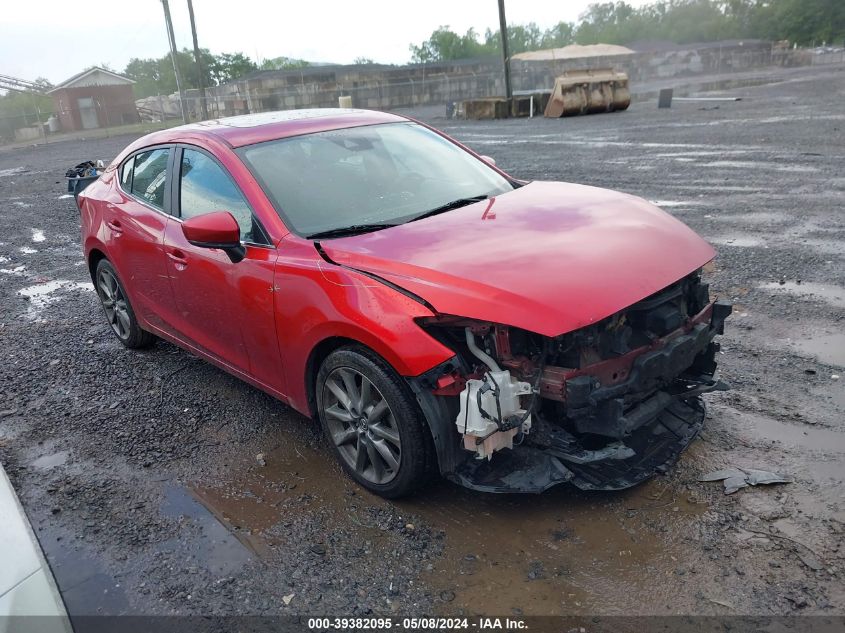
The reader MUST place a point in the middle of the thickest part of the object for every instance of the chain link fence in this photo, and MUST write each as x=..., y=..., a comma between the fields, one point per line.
x=95, y=119
x=414, y=87
x=383, y=89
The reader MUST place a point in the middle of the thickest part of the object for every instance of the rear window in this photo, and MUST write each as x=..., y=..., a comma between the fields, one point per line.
x=126, y=174
x=149, y=175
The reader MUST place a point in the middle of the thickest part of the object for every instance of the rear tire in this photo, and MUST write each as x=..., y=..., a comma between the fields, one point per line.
x=373, y=422
x=118, y=310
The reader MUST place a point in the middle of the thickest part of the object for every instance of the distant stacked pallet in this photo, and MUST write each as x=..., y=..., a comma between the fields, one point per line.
x=523, y=104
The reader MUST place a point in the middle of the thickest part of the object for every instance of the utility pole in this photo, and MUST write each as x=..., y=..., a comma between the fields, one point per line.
x=172, y=39
x=198, y=59
x=503, y=31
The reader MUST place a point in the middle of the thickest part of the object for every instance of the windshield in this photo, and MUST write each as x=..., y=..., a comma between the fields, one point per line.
x=367, y=177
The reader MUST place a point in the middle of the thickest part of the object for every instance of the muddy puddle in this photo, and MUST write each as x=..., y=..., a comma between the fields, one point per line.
x=87, y=586
x=834, y=295
x=833, y=246
x=742, y=241
x=281, y=485
x=814, y=455
x=562, y=552
x=46, y=462
x=217, y=548
x=799, y=436
x=828, y=348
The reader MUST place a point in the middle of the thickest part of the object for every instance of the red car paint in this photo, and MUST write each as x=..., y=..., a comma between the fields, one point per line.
x=217, y=227
x=545, y=257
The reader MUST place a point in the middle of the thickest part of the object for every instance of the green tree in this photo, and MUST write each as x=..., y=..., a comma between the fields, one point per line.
x=802, y=21
x=686, y=21
x=610, y=23
x=20, y=109
x=521, y=38
x=445, y=44
x=156, y=75
x=229, y=66
x=561, y=34
x=682, y=21
x=283, y=63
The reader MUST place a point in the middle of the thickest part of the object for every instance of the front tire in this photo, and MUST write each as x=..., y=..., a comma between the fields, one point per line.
x=119, y=312
x=372, y=422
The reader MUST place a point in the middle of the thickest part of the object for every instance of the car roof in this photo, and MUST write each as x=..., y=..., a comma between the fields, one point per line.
x=248, y=129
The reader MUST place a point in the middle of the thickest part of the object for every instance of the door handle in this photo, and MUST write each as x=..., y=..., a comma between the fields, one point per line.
x=178, y=258
x=115, y=226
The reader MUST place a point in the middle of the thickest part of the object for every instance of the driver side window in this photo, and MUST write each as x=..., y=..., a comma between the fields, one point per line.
x=205, y=187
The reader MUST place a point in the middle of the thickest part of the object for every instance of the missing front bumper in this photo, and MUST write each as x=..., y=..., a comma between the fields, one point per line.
x=652, y=449
x=604, y=425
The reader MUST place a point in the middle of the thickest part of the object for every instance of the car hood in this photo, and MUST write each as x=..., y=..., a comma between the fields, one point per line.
x=547, y=257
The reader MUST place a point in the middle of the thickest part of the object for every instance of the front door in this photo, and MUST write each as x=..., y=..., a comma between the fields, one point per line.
x=225, y=308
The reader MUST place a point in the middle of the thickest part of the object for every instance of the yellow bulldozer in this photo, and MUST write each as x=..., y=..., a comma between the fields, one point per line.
x=588, y=92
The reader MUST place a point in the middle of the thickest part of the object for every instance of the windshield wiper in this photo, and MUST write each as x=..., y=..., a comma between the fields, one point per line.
x=353, y=229
x=460, y=202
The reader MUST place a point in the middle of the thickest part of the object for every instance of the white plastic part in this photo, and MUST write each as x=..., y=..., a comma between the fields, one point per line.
x=480, y=354
x=481, y=435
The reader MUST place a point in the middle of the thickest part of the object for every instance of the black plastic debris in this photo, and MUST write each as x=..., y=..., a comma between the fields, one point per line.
x=79, y=177
x=88, y=168
x=735, y=478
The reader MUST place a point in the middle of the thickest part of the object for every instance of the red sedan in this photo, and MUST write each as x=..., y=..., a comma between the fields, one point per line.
x=434, y=313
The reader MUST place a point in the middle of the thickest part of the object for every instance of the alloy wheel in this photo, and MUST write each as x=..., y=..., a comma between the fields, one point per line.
x=114, y=303
x=362, y=425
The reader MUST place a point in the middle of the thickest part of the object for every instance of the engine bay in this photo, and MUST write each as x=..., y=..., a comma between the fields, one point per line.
x=605, y=406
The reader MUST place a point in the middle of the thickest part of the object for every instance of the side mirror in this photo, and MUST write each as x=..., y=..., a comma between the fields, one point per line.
x=488, y=159
x=218, y=229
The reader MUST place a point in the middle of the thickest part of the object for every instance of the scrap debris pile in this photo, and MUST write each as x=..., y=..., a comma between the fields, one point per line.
x=83, y=170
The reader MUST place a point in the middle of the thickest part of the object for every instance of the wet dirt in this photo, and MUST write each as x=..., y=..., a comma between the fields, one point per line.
x=564, y=552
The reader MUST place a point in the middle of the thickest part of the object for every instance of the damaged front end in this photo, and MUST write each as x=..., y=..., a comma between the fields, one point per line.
x=603, y=407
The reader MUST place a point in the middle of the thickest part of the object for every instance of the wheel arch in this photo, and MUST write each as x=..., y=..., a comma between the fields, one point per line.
x=95, y=256
x=318, y=354
x=434, y=410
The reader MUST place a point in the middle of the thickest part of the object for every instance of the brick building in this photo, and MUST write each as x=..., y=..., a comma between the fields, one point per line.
x=94, y=98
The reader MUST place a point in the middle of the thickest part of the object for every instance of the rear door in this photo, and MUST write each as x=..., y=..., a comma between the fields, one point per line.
x=135, y=221
x=224, y=308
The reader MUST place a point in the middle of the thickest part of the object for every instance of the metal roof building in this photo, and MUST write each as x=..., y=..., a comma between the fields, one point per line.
x=94, y=98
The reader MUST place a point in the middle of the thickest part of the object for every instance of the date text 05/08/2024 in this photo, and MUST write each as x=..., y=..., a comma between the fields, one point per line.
x=416, y=624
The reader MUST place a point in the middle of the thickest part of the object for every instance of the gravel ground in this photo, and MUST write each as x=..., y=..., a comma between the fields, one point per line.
x=139, y=470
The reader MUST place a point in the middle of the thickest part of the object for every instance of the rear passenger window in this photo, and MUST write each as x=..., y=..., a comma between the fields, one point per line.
x=206, y=187
x=126, y=174
x=149, y=175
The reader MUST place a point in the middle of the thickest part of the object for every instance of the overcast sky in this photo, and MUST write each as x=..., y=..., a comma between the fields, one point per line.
x=56, y=38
